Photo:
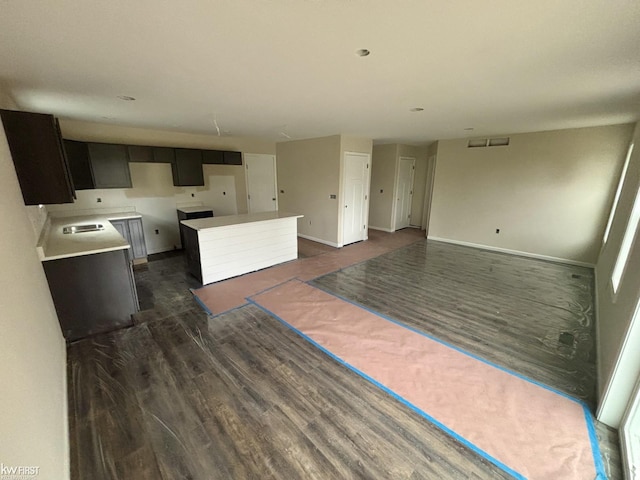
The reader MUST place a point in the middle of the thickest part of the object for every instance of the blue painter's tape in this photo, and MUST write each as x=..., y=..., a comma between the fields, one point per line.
x=595, y=447
x=422, y=413
x=200, y=302
x=447, y=344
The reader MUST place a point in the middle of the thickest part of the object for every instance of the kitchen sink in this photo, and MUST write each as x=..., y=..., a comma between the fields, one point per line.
x=91, y=227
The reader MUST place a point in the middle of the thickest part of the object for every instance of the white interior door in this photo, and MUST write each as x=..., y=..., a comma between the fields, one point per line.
x=404, y=191
x=356, y=193
x=261, y=182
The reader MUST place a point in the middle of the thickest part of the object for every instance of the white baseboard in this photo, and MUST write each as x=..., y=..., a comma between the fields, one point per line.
x=381, y=229
x=513, y=252
x=319, y=240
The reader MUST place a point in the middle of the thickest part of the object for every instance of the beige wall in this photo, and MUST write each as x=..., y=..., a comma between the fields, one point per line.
x=383, y=177
x=308, y=173
x=548, y=192
x=33, y=402
x=153, y=193
x=103, y=132
x=156, y=198
x=614, y=314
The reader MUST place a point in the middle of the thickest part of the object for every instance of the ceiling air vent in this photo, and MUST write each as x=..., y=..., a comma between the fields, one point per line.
x=499, y=142
x=479, y=142
x=490, y=142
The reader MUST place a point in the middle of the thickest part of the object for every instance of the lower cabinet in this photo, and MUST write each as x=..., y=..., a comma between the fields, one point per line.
x=182, y=215
x=92, y=293
x=131, y=230
x=192, y=249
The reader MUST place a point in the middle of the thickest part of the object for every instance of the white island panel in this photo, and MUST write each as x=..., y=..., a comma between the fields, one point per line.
x=228, y=249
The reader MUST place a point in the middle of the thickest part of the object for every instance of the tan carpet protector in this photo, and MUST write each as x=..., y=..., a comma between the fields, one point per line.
x=533, y=431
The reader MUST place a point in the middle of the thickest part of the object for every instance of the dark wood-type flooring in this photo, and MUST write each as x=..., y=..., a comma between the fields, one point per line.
x=184, y=396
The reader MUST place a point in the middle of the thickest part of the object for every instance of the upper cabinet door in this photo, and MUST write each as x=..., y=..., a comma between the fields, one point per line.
x=110, y=165
x=213, y=157
x=187, y=169
x=164, y=155
x=79, y=164
x=38, y=155
x=140, y=153
x=232, y=158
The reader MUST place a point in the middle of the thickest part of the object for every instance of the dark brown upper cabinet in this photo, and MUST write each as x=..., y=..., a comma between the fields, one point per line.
x=139, y=153
x=187, y=168
x=79, y=163
x=232, y=158
x=39, y=157
x=213, y=157
x=110, y=165
x=164, y=155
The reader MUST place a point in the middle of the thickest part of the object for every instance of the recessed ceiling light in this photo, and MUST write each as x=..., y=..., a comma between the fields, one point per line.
x=126, y=98
x=363, y=52
x=416, y=109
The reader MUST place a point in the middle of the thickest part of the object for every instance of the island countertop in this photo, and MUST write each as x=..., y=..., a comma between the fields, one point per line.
x=227, y=220
x=54, y=244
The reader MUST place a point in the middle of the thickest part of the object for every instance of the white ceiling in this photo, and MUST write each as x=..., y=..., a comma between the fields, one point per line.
x=261, y=67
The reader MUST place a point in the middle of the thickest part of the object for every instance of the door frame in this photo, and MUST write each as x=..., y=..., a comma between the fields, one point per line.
x=631, y=414
x=246, y=177
x=367, y=188
x=395, y=188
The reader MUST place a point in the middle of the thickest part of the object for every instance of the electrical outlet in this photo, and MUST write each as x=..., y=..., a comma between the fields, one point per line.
x=193, y=194
x=332, y=197
x=157, y=232
x=224, y=193
x=381, y=190
x=497, y=230
x=99, y=200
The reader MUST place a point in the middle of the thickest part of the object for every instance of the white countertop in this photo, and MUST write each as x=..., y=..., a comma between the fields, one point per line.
x=54, y=244
x=195, y=209
x=227, y=220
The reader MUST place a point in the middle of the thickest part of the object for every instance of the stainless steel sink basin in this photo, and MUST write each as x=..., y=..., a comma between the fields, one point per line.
x=91, y=227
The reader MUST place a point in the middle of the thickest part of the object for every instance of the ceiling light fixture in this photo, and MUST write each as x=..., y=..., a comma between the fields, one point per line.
x=416, y=109
x=126, y=98
x=363, y=52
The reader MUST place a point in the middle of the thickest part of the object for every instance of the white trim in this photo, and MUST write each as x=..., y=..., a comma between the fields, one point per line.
x=631, y=337
x=319, y=240
x=381, y=229
x=513, y=252
x=626, y=449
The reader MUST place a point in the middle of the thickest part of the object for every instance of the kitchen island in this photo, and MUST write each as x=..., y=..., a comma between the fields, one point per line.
x=218, y=248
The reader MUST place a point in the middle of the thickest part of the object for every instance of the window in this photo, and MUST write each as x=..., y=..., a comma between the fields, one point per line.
x=627, y=242
x=617, y=197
